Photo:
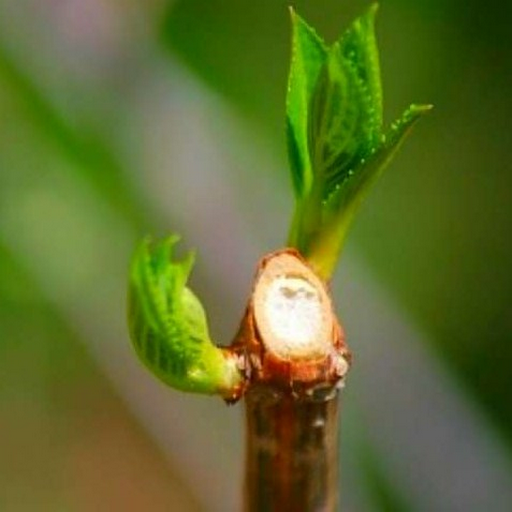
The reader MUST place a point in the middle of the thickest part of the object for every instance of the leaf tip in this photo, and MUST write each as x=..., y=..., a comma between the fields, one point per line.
x=295, y=18
x=414, y=112
x=370, y=15
x=422, y=108
x=373, y=10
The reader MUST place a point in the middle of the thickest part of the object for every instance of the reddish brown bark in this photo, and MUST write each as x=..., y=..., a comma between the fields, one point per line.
x=301, y=376
x=291, y=453
x=291, y=404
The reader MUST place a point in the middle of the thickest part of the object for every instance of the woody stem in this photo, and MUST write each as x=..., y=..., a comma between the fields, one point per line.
x=291, y=452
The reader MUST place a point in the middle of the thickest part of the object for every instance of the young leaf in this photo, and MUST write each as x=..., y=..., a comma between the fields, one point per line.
x=340, y=207
x=168, y=325
x=308, y=56
x=347, y=148
x=345, y=121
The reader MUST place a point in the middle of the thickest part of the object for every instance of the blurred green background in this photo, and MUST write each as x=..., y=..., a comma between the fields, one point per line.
x=123, y=117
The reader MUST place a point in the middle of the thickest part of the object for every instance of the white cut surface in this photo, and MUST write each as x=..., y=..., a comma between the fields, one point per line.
x=293, y=311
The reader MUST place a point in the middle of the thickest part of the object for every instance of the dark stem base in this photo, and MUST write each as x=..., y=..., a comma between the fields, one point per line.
x=291, y=452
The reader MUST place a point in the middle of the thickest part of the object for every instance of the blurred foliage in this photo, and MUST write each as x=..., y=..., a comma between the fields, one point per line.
x=386, y=495
x=66, y=440
x=93, y=157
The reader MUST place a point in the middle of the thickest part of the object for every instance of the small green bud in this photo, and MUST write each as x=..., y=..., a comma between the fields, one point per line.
x=168, y=325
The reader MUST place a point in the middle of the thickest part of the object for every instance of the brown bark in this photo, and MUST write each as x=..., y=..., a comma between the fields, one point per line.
x=291, y=453
x=291, y=397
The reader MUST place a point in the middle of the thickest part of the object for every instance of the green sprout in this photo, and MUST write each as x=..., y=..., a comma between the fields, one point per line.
x=337, y=148
x=168, y=324
x=336, y=142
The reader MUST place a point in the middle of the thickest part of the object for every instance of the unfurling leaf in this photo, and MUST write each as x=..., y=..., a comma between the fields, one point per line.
x=308, y=56
x=337, y=145
x=345, y=122
x=168, y=325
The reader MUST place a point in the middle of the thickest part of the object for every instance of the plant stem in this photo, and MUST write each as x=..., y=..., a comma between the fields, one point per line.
x=291, y=452
x=292, y=350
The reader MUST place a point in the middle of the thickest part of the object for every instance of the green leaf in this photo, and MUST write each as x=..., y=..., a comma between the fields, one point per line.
x=168, y=325
x=340, y=207
x=308, y=56
x=347, y=148
x=345, y=122
x=352, y=191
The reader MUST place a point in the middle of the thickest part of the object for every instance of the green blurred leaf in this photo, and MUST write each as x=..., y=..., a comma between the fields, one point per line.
x=384, y=492
x=92, y=156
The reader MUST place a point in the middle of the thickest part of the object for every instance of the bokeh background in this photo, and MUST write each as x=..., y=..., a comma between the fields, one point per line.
x=123, y=117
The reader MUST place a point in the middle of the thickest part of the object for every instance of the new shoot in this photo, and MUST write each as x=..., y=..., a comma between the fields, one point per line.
x=289, y=358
